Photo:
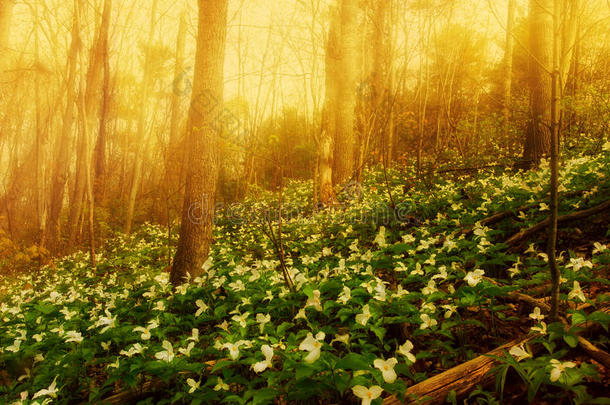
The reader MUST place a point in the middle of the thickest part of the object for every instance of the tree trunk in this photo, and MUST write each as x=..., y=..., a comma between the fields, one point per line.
x=99, y=182
x=175, y=154
x=6, y=14
x=538, y=134
x=508, y=67
x=201, y=143
x=62, y=153
x=141, y=131
x=347, y=63
x=329, y=117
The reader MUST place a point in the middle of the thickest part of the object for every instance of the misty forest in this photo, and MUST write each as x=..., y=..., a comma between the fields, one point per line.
x=304, y=202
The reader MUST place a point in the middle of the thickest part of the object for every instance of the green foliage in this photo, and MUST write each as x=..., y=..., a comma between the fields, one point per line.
x=376, y=291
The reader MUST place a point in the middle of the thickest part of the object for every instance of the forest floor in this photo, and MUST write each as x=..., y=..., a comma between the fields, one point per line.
x=378, y=297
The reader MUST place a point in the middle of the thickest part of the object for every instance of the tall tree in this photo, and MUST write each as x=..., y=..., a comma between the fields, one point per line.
x=329, y=116
x=347, y=65
x=99, y=153
x=541, y=36
x=201, y=142
x=538, y=136
x=62, y=150
x=508, y=65
x=142, y=139
x=6, y=14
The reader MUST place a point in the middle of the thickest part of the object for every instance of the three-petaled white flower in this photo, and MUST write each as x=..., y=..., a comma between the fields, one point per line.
x=474, y=277
x=313, y=345
x=577, y=292
x=262, y=321
x=536, y=315
x=261, y=366
x=427, y=321
x=314, y=301
x=201, y=307
x=405, y=350
x=519, y=352
x=194, y=385
x=50, y=391
x=363, y=318
x=387, y=369
x=559, y=367
x=167, y=354
x=367, y=394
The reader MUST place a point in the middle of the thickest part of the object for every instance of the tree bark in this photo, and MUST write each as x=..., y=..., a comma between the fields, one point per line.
x=99, y=182
x=142, y=138
x=347, y=63
x=508, y=67
x=62, y=152
x=538, y=134
x=202, y=136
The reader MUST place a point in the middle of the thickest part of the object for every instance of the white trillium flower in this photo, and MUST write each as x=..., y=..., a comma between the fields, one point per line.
x=221, y=385
x=577, y=292
x=313, y=345
x=341, y=339
x=73, y=336
x=364, y=317
x=201, y=307
x=367, y=395
x=187, y=350
x=261, y=366
x=194, y=385
x=167, y=354
x=262, y=321
x=387, y=369
x=427, y=321
x=405, y=350
x=345, y=295
x=519, y=352
x=430, y=288
x=474, y=277
x=50, y=391
x=194, y=335
x=559, y=367
x=314, y=301
x=536, y=315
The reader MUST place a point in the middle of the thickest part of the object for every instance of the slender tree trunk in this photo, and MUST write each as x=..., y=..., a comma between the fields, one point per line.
x=174, y=158
x=554, y=203
x=141, y=131
x=538, y=134
x=99, y=182
x=62, y=152
x=6, y=14
x=508, y=67
x=347, y=63
x=329, y=117
x=201, y=142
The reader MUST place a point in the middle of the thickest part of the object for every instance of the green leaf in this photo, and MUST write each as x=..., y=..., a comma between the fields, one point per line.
x=264, y=396
x=353, y=361
x=571, y=340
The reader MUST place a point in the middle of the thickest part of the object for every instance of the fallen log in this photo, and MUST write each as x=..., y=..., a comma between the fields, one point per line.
x=461, y=379
x=525, y=233
x=465, y=377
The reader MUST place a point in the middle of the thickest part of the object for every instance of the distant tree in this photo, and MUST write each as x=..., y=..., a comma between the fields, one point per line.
x=201, y=143
x=347, y=68
x=508, y=65
x=537, y=143
x=6, y=14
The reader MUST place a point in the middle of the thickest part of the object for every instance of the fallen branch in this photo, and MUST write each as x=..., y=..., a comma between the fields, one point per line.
x=148, y=388
x=465, y=377
x=525, y=233
x=588, y=347
x=461, y=379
